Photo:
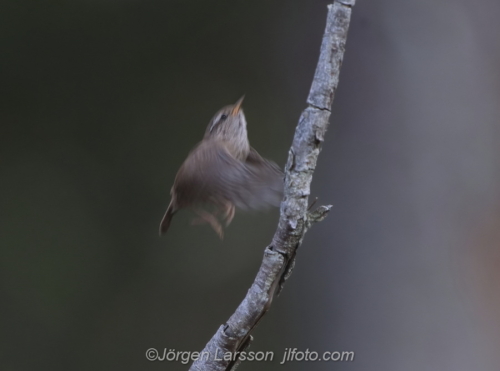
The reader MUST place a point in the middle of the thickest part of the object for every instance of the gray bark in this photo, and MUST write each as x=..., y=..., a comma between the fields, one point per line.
x=295, y=220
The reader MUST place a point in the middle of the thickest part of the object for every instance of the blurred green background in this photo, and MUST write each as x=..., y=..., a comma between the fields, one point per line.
x=102, y=100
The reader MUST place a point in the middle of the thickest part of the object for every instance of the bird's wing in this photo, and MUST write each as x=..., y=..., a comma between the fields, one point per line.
x=211, y=174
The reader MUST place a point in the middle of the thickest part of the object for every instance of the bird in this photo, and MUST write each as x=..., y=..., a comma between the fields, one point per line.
x=222, y=173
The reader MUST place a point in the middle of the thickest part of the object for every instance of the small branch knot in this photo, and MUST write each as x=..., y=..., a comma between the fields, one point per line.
x=318, y=215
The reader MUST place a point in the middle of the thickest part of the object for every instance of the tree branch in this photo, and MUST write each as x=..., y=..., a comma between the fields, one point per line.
x=295, y=220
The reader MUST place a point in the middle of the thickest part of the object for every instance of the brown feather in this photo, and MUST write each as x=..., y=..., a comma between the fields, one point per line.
x=211, y=173
x=167, y=218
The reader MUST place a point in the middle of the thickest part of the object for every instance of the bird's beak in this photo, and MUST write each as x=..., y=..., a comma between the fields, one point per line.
x=237, y=106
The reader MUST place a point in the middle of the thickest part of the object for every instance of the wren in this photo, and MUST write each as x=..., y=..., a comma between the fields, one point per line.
x=224, y=172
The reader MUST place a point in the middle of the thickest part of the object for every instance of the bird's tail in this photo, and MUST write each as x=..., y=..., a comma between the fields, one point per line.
x=167, y=218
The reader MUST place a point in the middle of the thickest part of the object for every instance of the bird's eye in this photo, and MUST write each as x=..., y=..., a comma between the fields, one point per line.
x=223, y=117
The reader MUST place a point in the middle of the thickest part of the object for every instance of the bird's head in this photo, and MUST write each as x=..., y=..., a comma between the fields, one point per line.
x=228, y=121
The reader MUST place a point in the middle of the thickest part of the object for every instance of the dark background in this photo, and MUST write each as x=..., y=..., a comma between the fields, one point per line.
x=101, y=102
